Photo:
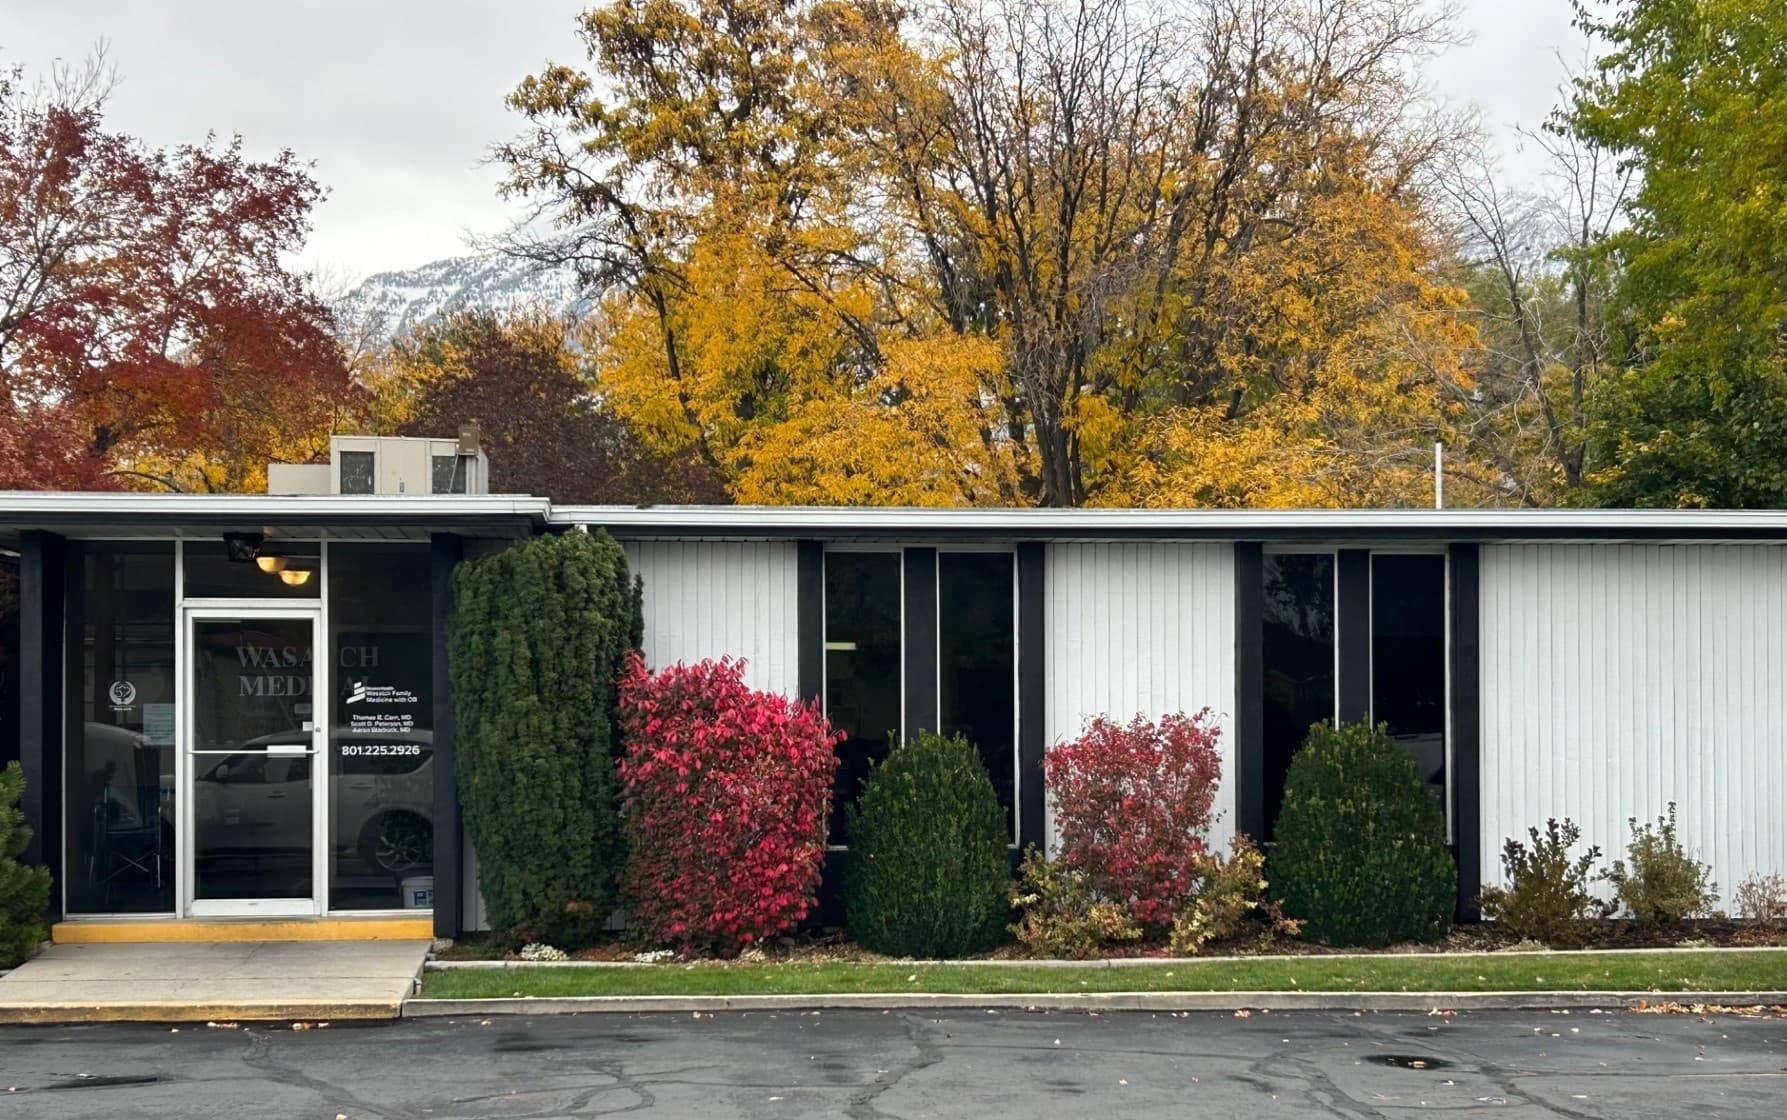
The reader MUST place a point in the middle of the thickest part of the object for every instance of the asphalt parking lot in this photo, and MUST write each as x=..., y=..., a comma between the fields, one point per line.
x=866, y=1065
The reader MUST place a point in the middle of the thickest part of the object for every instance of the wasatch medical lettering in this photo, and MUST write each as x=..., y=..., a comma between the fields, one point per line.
x=263, y=673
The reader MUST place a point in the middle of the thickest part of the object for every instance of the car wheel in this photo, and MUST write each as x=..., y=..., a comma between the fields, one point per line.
x=397, y=842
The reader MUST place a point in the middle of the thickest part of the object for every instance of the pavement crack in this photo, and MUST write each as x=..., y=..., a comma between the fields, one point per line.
x=258, y=1054
x=1319, y=1089
x=644, y=1098
x=927, y=1052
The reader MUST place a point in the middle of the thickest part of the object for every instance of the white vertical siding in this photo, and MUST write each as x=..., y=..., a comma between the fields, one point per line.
x=1619, y=678
x=714, y=598
x=1141, y=629
x=472, y=913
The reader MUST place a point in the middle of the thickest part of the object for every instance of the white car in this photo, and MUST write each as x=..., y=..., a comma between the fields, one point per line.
x=256, y=800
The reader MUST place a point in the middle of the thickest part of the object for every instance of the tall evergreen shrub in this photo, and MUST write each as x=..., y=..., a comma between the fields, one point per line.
x=928, y=874
x=24, y=891
x=539, y=637
x=1361, y=852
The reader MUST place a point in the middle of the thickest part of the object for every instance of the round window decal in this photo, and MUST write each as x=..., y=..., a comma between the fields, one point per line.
x=123, y=694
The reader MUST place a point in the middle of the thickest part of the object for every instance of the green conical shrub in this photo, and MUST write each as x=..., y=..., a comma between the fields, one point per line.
x=929, y=867
x=539, y=636
x=1361, y=855
x=24, y=891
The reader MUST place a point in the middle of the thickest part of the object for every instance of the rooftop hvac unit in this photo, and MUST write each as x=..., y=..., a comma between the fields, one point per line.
x=390, y=465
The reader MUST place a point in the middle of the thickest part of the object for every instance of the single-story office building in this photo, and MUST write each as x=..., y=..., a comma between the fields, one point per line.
x=239, y=706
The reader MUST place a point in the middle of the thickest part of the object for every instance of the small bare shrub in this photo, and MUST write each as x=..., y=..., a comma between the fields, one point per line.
x=1231, y=897
x=1547, y=897
x=1762, y=900
x=1059, y=915
x=1660, y=883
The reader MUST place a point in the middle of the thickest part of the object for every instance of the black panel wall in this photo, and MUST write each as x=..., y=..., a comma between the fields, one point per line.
x=1466, y=734
x=9, y=660
x=1250, y=747
x=42, y=657
x=1031, y=651
x=449, y=857
x=810, y=615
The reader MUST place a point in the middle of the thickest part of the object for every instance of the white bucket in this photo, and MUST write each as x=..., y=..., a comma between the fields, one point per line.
x=417, y=892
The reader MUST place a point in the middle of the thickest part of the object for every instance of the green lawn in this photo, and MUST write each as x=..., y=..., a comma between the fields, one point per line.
x=1660, y=972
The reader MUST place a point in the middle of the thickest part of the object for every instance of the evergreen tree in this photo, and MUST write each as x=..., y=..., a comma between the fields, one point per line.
x=24, y=891
x=539, y=636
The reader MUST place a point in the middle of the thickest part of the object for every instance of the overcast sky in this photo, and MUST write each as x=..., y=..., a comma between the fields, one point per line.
x=396, y=101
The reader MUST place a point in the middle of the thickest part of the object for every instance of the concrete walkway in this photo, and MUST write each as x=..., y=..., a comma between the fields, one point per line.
x=213, y=981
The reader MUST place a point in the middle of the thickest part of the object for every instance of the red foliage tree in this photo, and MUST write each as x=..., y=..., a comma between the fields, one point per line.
x=1131, y=804
x=520, y=377
x=148, y=324
x=726, y=794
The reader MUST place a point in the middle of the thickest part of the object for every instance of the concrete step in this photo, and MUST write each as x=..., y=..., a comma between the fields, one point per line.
x=112, y=931
x=185, y=1011
x=213, y=981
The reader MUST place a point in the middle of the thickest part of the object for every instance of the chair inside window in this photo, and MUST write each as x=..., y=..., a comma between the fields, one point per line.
x=127, y=836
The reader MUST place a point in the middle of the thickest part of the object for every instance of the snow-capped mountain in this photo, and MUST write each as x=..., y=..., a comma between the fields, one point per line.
x=389, y=303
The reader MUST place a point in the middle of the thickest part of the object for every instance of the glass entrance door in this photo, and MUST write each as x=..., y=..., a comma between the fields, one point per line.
x=251, y=773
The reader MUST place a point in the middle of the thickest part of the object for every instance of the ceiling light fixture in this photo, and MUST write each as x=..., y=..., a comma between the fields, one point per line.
x=270, y=564
x=294, y=577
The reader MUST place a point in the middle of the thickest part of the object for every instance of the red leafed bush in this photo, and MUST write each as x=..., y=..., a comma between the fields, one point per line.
x=1131, y=803
x=726, y=793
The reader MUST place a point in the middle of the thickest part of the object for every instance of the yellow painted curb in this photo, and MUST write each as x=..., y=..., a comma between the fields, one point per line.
x=112, y=932
x=171, y=1011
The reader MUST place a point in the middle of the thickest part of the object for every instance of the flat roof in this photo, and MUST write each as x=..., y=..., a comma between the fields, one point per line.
x=414, y=517
x=374, y=516
x=1286, y=525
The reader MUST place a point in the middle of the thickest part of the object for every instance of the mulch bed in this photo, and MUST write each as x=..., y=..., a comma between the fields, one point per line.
x=831, y=944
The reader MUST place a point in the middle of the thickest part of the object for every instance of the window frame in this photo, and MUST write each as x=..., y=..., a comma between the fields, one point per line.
x=1017, y=707
x=899, y=549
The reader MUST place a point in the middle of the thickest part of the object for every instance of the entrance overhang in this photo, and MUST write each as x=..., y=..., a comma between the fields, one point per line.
x=209, y=516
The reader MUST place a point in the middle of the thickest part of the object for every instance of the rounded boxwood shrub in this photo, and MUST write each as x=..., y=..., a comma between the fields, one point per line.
x=928, y=871
x=1361, y=853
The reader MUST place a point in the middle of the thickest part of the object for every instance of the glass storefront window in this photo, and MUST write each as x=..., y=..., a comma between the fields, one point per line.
x=119, y=770
x=381, y=742
x=977, y=662
x=1297, y=623
x=1408, y=658
x=862, y=667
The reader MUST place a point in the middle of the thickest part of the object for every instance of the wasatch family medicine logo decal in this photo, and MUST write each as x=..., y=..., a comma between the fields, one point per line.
x=362, y=693
x=122, y=693
x=381, y=696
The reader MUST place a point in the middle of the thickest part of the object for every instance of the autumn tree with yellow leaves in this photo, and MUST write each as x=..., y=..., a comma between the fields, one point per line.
x=1012, y=251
